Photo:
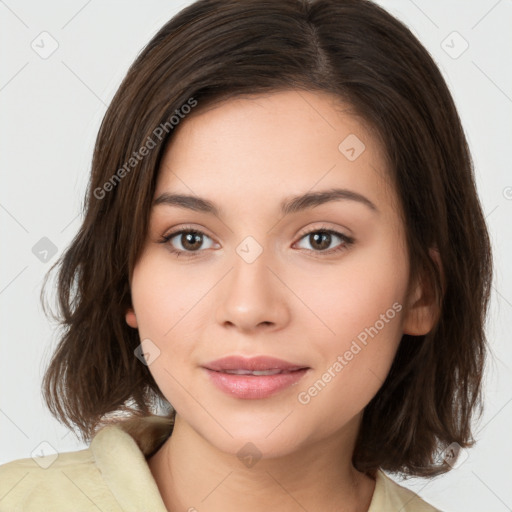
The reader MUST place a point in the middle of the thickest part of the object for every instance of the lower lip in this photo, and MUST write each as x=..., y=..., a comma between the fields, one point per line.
x=254, y=386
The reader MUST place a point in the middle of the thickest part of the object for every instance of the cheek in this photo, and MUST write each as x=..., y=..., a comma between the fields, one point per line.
x=167, y=301
x=352, y=364
x=166, y=297
x=361, y=308
x=365, y=292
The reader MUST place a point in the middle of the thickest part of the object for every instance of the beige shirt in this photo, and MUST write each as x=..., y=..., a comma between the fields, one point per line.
x=113, y=475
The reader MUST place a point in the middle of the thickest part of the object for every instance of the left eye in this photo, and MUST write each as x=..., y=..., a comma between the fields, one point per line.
x=322, y=239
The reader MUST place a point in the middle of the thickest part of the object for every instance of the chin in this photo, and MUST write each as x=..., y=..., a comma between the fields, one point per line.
x=253, y=437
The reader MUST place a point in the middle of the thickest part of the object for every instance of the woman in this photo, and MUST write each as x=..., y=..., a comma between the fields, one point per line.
x=280, y=199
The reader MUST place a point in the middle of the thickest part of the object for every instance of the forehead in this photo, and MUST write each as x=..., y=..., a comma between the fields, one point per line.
x=268, y=146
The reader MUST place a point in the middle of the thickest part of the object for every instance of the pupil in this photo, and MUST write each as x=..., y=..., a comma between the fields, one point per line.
x=190, y=239
x=327, y=236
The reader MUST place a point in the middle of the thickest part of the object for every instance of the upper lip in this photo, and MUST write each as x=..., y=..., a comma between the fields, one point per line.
x=251, y=363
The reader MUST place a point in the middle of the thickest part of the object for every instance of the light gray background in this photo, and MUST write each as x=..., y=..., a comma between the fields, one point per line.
x=51, y=110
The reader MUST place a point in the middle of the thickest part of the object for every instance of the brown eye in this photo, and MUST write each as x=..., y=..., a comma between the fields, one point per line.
x=321, y=239
x=191, y=241
x=186, y=241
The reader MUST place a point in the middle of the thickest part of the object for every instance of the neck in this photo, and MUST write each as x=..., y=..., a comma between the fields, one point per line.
x=191, y=474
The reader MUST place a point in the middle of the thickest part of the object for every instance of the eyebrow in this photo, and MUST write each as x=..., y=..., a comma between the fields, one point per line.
x=288, y=206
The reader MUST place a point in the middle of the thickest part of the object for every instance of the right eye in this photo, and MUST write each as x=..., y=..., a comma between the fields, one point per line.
x=189, y=239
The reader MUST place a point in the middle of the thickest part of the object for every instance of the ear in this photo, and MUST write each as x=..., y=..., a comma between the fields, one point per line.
x=422, y=309
x=131, y=319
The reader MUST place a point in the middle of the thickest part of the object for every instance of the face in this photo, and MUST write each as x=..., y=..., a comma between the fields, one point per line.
x=321, y=285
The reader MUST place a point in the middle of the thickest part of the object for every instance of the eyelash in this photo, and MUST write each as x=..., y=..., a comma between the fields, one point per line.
x=347, y=241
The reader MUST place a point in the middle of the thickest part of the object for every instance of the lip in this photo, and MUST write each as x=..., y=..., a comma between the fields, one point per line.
x=252, y=364
x=253, y=386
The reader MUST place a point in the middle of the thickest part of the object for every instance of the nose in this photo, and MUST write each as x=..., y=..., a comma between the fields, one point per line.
x=253, y=296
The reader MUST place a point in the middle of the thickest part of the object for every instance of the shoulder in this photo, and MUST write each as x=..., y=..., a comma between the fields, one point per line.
x=389, y=495
x=34, y=483
x=111, y=474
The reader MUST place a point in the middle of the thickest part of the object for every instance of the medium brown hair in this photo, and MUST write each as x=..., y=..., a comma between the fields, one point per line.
x=214, y=50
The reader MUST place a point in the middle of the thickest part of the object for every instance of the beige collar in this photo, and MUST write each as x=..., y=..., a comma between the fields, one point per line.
x=121, y=450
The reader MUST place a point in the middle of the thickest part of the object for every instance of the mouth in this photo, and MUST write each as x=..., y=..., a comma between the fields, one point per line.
x=253, y=378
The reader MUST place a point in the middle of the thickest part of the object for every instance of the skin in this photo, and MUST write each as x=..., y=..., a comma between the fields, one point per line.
x=247, y=155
